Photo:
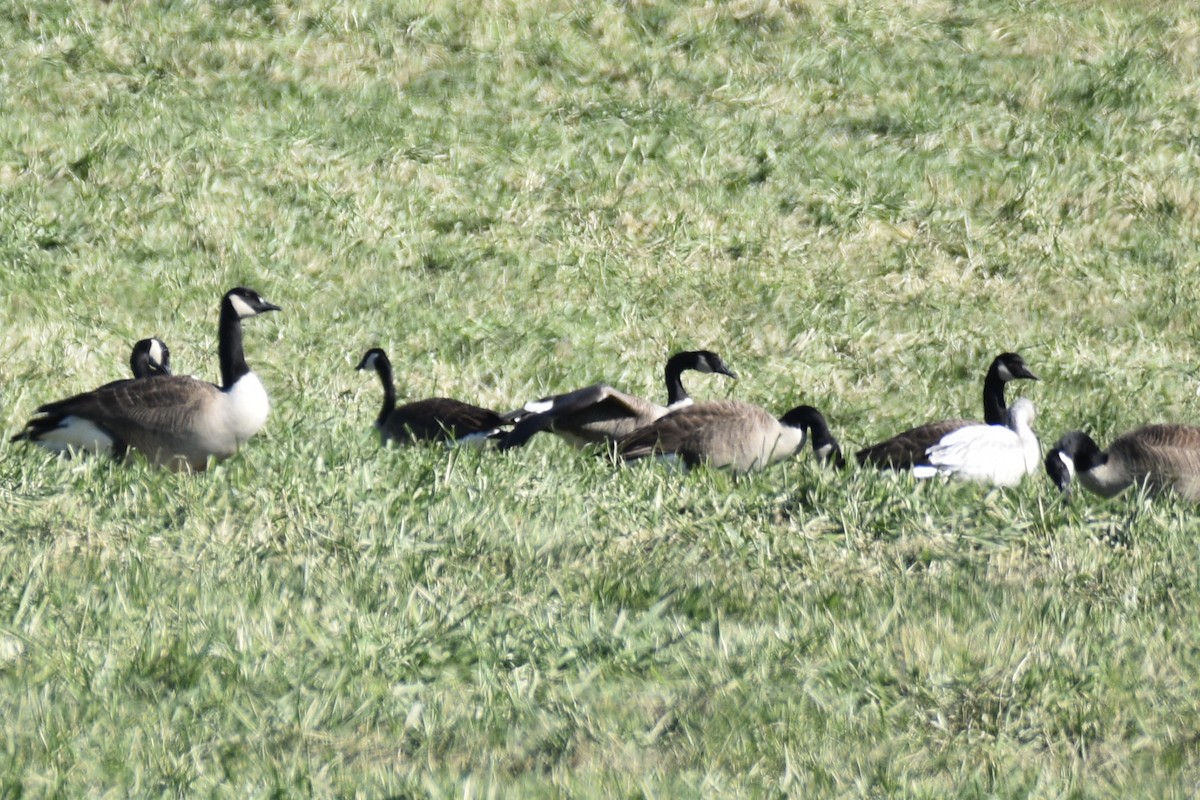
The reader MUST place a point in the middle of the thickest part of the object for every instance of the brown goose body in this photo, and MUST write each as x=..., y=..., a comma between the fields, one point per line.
x=438, y=419
x=731, y=434
x=600, y=414
x=1163, y=457
x=435, y=419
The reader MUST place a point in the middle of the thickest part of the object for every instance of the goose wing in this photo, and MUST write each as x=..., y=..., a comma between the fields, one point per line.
x=131, y=408
x=591, y=415
x=1166, y=455
x=440, y=419
x=987, y=453
x=906, y=450
x=722, y=432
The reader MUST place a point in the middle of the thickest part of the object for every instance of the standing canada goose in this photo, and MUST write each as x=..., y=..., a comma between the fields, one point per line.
x=439, y=419
x=733, y=434
x=906, y=450
x=998, y=454
x=174, y=421
x=1163, y=457
x=150, y=358
x=600, y=414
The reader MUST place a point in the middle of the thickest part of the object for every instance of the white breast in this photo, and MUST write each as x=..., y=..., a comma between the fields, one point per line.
x=246, y=407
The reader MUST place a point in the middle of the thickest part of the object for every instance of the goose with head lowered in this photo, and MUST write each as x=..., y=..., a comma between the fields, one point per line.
x=906, y=450
x=1162, y=457
x=174, y=421
x=997, y=454
x=436, y=419
x=732, y=434
x=600, y=414
x=150, y=359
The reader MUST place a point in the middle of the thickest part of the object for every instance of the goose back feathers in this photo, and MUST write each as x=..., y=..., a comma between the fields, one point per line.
x=729, y=433
x=600, y=414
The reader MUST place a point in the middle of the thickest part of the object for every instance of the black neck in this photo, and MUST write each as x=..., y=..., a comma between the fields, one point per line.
x=994, y=407
x=229, y=346
x=384, y=367
x=675, y=391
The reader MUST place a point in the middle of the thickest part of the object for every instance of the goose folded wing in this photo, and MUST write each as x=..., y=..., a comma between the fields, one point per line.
x=906, y=449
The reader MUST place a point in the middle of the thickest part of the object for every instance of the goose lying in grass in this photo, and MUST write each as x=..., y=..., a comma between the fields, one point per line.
x=174, y=421
x=436, y=419
x=1163, y=457
x=997, y=454
x=729, y=433
x=906, y=450
x=600, y=414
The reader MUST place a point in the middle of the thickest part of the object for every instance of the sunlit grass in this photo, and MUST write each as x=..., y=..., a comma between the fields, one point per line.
x=858, y=206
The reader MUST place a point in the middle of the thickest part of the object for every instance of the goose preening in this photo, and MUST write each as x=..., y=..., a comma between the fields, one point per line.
x=997, y=454
x=906, y=450
x=733, y=434
x=1163, y=457
x=150, y=359
x=600, y=414
x=174, y=421
x=439, y=419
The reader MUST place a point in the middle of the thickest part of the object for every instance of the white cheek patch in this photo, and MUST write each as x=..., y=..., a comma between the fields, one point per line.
x=241, y=307
x=156, y=351
x=1068, y=462
x=539, y=406
x=1004, y=373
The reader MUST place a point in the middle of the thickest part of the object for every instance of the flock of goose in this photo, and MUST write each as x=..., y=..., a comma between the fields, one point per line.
x=185, y=423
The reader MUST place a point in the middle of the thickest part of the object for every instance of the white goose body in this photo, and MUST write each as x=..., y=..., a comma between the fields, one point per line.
x=997, y=454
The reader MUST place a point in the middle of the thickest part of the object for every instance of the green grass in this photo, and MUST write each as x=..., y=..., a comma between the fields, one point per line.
x=857, y=204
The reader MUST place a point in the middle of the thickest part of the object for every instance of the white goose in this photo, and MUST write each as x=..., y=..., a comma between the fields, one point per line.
x=997, y=454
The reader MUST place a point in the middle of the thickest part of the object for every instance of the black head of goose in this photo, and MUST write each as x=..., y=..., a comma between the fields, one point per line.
x=907, y=449
x=1163, y=457
x=732, y=434
x=174, y=421
x=600, y=414
x=439, y=419
x=150, y=359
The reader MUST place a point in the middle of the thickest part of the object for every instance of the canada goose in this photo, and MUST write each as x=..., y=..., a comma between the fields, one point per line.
x=435, y=419
x=174, y=421
x=907, y=449
x=733, y=434
x=1163, y=457
x=998, y=454
x=150, y=358
x=600, y=414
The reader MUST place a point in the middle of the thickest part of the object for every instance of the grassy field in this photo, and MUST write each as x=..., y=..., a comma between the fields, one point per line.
x=857, y=204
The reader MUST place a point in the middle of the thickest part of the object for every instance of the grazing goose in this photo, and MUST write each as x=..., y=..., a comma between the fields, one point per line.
x=998, y=454
x=906, y=450
x=1163, y=457
x=439, y=419
x=150, y=358
x=174, y=421
x=733, y=434
x=600, y=414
